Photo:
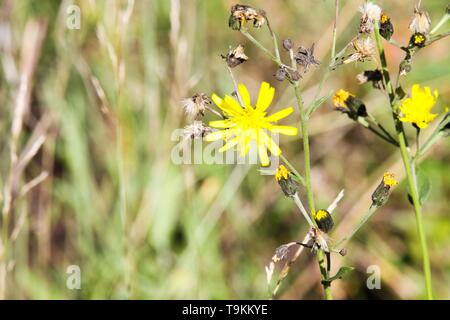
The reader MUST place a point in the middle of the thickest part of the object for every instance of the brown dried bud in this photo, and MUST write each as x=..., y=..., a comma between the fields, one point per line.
x=287, y=44
x=343, y=252
x=235, y=56
x=281, y=73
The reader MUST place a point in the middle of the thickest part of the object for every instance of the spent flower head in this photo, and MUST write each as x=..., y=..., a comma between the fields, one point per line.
x=197, y=129
x=247, y=123
x=364, y=49
x=240, y=14
x=370, y=14
x=417, y=108
x=421, y=22
x=235, y=56
x=195, y=106
x=305, y=57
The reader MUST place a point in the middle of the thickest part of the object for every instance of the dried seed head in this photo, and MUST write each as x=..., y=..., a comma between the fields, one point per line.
x=421, y=22
x=281, y=74
x=370, y=11
x=343, y=252
x=305, y=57
x=364, y=49
x=295, y=75
x=370, y=14
x=235, y=56
x=240, y=14
x=197, y=129
x=373, y=76
x=195, y=106
x=287, y=44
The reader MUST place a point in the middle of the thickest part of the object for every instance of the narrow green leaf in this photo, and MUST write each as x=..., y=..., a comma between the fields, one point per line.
x=423, y=185
x=339, y=275
x=317, y=103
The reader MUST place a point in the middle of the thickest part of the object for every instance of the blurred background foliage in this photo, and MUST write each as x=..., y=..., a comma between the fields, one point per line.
x=106, y=99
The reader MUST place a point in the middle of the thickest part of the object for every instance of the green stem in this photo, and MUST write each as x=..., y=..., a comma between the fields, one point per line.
x=292, y=168
x=443, y=20
x=260, y=46
x=409, y=167
x=428, y=144
x=363, y=220
x=309, y=191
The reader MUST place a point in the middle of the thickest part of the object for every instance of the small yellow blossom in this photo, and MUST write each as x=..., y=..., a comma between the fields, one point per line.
x=282, y=173
x=389, y=179
x=419, y=39
x=417, y=108
x=244, y=124
x=384, y=18
x=340, y=98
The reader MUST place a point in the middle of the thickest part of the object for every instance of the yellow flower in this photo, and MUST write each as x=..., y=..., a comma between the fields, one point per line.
x=244, y=124
x=417, y=108
x=389, y=179
x=340, y=98
x=282, y=173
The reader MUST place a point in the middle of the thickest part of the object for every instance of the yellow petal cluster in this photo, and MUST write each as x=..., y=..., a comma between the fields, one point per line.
x=247, y=123
x=417, y=108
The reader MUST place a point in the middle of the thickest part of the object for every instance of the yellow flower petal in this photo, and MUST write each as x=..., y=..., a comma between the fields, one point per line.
x=263, y=157
x=280, y=114
x=244, y=95
x=217, y=100
x=233, y=106
x=221, y=124
x=271, y=145
x=265, y=97
x=287, y=130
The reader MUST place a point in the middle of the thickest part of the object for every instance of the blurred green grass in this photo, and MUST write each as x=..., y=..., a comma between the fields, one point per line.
x=141, y=227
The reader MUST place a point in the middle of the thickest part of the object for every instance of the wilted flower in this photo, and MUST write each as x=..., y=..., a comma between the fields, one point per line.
x=373, y=76
x=235, y=56
x=370, y=10
x=386, y=27
x=197, y=129
x=305, y=57
x=370, y=14
x=421, y=22
x=284, y=72
x=240, y=14
x=349, y=104
x=246, y=123
x=364, y=49
x=195, y=106
x=417, y=108
x=381, y=193
x=418, y=40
